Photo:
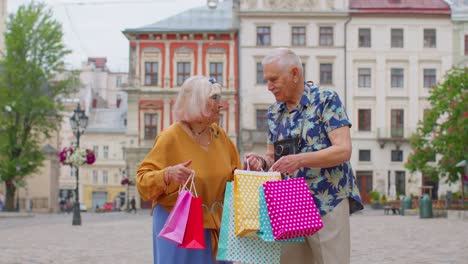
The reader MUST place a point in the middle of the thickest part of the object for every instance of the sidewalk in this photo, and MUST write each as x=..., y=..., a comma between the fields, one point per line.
x=15, y=214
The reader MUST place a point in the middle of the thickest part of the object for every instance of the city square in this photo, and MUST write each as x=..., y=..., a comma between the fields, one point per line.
x=120, y=237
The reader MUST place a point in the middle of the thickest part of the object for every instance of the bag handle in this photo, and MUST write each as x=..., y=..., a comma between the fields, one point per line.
x=247, y=160
x=192, y=188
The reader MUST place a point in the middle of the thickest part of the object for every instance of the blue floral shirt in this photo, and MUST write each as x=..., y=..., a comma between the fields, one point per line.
x=319, y=112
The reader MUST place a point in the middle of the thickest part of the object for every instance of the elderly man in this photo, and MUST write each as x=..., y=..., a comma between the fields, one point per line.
x=309, y=137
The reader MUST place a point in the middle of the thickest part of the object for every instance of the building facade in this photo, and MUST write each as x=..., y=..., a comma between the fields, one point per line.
x=199, y=41
x=313, y=29
x=460, y=34
x=397, y=50
x=102, y=97
x=381, y=57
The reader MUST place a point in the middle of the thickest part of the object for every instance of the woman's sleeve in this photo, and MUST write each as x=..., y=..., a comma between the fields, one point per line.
x=235, y=158
x=150, y=175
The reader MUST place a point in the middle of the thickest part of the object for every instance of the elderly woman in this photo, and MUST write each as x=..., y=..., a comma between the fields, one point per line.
x=193, y=143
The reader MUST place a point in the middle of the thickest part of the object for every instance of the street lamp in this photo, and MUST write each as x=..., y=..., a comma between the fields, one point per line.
x=78, y=122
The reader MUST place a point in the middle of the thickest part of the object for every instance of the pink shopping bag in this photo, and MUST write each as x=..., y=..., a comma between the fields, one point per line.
x=176, y=222
x=194, y=237
x=292, y=209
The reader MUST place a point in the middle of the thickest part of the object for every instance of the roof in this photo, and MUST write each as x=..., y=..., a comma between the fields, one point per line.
x=100, y=62
x=103, y=120
x=198, y=19
x=401, y=6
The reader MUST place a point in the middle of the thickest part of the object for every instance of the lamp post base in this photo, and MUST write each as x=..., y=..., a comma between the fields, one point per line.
x=76, y=214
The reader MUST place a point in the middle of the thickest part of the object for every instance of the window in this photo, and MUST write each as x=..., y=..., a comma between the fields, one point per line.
x=151, y=126
x=216, y=71
x=400, y=182
x=326, y=74
x=364, y=77
x=397, y=78
x=364, y=155
x=466, y=44
x=397, y=38
x=396, y=129
x=105, y=177
x=326, y=36
x=429, y=38
x=364, y=122
x=95, y=176
x=304, y=71
x=263, y=36
x=298, y=36
x=183, y=72
x=221, y=120
x=118, y=100
x=151, y=73
x=260, y=79
x=429, y=78
x=364, y=37
x=262, y=119
x=96, y=151
x=118, y=81
x=105, y=152
x=397, y=155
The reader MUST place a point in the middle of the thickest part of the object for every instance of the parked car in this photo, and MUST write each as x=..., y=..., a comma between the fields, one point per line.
x=108, y=207
x=83, y=207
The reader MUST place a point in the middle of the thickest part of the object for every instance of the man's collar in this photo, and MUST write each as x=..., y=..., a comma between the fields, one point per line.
x=304, y=102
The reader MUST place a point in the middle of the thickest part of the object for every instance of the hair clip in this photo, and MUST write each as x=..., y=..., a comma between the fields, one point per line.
x=212, y=80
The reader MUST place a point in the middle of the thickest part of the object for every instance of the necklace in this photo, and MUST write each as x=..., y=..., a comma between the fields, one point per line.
x=197, y=136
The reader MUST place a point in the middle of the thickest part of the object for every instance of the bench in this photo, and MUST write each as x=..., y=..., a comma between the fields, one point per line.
x=394, y=207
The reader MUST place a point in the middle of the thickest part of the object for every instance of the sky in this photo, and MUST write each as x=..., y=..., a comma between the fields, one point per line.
x=93, y=28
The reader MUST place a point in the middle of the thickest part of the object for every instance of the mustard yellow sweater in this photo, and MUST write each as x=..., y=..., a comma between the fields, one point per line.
x=213, y=168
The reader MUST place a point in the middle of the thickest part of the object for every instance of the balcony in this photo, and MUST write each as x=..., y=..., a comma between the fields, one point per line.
x=396, y=135
x=251, y=137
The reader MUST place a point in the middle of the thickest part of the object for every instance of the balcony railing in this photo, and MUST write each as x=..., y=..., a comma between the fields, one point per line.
x=397, y=135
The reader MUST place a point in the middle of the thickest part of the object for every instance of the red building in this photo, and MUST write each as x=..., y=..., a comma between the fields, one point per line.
x=199, y=41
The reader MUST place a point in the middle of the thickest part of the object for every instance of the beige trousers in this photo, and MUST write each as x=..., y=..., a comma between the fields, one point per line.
x=331, y=245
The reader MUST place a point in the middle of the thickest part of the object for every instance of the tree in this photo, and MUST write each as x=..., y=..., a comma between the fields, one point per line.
x=443, y=132
x=29, y=92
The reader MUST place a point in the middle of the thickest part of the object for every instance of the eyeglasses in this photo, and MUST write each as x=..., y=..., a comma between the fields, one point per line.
x=216, y=98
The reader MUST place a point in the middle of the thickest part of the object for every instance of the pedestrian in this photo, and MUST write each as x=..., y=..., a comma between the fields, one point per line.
x=2, y=201
x=309, y=137
x=133, y=205
x=193, y=144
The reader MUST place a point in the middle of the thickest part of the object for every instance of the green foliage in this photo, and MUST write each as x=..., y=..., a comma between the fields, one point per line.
x=383, y=199
x=443, y=130
x=30, y=91
x=375, y=196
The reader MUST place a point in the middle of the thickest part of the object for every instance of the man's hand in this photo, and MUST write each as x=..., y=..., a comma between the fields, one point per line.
x=287, y=165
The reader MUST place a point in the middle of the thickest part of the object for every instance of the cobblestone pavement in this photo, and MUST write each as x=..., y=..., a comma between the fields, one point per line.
x=114, y=238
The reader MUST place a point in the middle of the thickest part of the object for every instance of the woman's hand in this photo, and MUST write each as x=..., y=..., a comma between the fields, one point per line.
x=287, y=164
x=253, y=162
x=178, y=173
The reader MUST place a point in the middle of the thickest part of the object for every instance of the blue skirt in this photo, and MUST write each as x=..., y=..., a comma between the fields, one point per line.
x=165, y=251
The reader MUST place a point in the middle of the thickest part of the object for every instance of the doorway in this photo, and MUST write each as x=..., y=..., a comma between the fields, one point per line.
x=364, y=183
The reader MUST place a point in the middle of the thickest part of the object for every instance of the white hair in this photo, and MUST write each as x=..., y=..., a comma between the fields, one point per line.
x=284, y=57
x=192, y=101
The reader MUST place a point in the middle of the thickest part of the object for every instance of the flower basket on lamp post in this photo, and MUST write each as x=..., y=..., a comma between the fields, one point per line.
x=76, y=156
x=128, y=182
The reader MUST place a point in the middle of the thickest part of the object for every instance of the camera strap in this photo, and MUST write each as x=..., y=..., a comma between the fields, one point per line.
x=280, y=118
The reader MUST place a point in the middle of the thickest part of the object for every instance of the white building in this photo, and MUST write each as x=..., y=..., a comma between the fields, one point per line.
x=460, y=34
x=382, y=57
x=105, y=104
x=313, y=29
x=397, y=50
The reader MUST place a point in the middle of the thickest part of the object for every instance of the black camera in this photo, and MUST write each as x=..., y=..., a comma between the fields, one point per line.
x=286, y=146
